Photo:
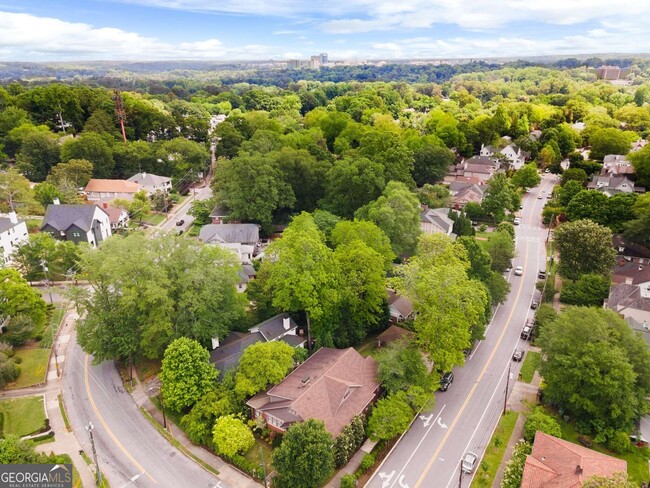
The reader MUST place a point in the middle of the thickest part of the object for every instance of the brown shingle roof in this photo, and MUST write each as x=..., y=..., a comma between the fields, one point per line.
x=333, y=385
x=555, y=463
x=394, y=333
x=112, y=186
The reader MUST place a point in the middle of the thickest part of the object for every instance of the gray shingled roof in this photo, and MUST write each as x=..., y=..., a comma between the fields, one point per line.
x=61, y=217
x=227, y=355
x=147, y=179
x=5, y=224
x=274, y=327
x=230, y=233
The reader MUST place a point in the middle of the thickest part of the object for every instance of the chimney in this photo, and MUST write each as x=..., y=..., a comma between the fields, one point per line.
x=286, y=322
x=215, y=342
x=578, y=469
x=144, y=175
x=104, y=205
x=13, y=218
x=56, y=201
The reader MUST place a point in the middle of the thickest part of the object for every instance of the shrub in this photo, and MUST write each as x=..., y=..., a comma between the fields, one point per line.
x=348, y=481
x=349, y=441
x=619, y=442
x=367, y=461
x=540, y=421
x=514, y=469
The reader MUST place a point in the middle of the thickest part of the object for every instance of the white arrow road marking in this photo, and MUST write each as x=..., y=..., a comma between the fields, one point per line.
x=426, y=419
x=441, y=424
x=387, y=478
x=135, y=477
x=402, y=484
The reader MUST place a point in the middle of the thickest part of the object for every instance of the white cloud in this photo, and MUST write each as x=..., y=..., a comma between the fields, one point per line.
x=28, y=37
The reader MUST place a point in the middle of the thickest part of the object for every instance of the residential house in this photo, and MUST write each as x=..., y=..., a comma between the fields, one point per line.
x=463, y=193
x=392, y=334
x=612, y=185
x=477, y=168
x=219, y=215
x=13, y=234
x=616, y=165
x=225, y=354
x=98, y=190
x=561, y=464
x=513, y=154
x=435, y=221
x=333, y=385
x=629, y=295
x=152, y=183
x=400, y=307
x=118, y=217
x=246, y=273
x=535, y=135
x=77, y=223
x=638, y=145
x=242, y=239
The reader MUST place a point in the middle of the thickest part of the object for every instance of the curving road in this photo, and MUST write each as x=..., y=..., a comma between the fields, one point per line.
x=465, y=416
x=131, y=451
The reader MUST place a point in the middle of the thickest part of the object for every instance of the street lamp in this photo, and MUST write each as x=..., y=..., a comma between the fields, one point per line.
x=90, y=428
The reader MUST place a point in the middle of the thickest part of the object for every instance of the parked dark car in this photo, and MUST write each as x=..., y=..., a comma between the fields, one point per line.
x=180, y=222
x=446, y=380
x=541, y=274
x=534, y=304
x=518, y=355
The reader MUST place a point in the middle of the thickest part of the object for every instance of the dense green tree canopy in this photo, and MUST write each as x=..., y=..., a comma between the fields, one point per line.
x=20, y=298
x=305, y=458
x=231, y=436
x=584, y=247
x=186, y=373
x=596, y=369
x=262, y=364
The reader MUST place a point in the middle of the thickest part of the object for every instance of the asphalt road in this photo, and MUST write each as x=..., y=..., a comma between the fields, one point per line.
x=180, y=212
x=131, y=451
x=465, y=416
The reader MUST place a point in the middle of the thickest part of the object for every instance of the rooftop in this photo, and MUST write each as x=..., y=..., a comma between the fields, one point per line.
x=112, y=186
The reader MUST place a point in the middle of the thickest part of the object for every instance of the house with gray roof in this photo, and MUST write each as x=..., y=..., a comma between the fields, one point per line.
x=13, y=234
x=616, y=165
x=612, y=185
x=152, y=183
x=225, y=354
x=242, y=239
x=435, y=221
x=77, y=223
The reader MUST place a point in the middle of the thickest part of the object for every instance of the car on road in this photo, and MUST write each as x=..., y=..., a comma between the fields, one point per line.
x=518, y=355
x=540, y=196
x=519, y=270
x=445, y=380
x=517, y=221
x=180, y=222
x=526, y=332
x=541, y=274
x=534, y=304
x=469, y=462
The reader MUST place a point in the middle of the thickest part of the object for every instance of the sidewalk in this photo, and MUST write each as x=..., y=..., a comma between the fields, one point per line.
x=65, y=441
x=352, y=465
x=231, y=476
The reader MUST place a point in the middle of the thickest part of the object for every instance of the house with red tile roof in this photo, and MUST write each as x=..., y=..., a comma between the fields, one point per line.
x=556, y=463
x=333, y=385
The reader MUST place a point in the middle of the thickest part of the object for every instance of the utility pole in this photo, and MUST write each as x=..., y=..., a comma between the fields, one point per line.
x=162, y=406
x=90, y=428
x=460, y=474
x=505, y=399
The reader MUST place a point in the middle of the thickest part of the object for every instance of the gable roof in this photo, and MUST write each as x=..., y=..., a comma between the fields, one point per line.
x=147, y=179
x=227, y=355
x=229, y=233
x=6, y=224
x=274, y=327
x=61, y=217
x=555, y=463
x=394, y=333
x=402, y=304
x=112, y=186
x=438, y=217
x=114, y=213
x=482, y=161
x=333, y=385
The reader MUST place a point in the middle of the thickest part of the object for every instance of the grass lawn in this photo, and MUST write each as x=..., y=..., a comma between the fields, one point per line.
x=52, y=326
x=155, y=219
x=254, y=455
x=32, y=368
x=637, y=458
x=531, y=363
x=495, y=450
x=483, y=236
x=22, y=416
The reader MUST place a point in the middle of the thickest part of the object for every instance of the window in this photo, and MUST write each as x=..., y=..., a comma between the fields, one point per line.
x=76, y=234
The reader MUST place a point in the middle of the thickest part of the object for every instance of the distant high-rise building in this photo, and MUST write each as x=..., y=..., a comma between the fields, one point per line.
x=293, y=63
x=323, y=58
x=315, y=61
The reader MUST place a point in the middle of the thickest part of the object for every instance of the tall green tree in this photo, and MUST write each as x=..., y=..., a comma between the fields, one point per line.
x=526, y=176
x=609, y=141
x=16, y=195
x=641, y=162
x=305, y=458
x=390, y=417
x=638, y=229
x=584, y=247
x=402, y=365
x=261, y=365
x=501, y=248
x=589, y=204
x=20, y=298
x=92, y=147
x=595, y=369
x=303, y=275
x=186, y=373
x=500, y=196
x=346, y=232
x=352, y=183
x=397, y=213
x=38, y=153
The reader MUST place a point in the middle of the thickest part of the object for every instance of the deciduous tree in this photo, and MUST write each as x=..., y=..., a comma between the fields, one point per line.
x=584, y=247
x=231, y=436
x=262, y=364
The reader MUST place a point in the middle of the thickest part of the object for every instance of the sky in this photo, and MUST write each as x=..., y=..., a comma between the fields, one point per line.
x=223, y=30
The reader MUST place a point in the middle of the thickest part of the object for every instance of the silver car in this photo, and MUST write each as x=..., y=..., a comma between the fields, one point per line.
x=469, y=462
